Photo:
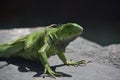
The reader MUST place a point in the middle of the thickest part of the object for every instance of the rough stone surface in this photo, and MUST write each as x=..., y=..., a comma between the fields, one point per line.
x=104, y=62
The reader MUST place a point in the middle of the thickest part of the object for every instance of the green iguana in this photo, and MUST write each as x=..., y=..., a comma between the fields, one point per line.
x=41, y=45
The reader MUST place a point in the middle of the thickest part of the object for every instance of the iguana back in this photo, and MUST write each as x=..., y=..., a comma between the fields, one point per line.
x=17, y=48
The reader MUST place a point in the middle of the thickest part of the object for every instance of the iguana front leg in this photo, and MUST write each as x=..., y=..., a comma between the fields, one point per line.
x=44, y=60
x=63, y=58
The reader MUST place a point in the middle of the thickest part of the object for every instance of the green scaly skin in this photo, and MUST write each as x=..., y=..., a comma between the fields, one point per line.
x=41, y=45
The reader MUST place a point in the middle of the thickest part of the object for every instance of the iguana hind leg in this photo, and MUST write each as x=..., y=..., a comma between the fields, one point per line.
x=10, y=50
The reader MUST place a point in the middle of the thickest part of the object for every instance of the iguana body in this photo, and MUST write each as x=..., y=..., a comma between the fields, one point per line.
x=41, y=45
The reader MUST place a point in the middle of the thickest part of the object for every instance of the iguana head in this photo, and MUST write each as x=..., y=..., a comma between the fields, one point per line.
x=71, y=30
x=64, y=33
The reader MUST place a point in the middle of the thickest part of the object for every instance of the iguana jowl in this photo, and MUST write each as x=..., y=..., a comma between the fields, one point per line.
x=41, y=45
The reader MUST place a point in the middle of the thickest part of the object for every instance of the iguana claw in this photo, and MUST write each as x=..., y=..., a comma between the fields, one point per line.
x=76, y=63
x=51, y=72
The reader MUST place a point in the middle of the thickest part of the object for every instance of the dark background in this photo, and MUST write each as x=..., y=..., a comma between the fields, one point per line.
x=99, y=18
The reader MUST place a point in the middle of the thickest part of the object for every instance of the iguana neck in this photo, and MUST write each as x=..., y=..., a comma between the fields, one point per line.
x=64, y=36
x=63, y=41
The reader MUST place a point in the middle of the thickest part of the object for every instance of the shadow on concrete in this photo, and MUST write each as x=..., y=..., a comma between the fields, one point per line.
x=33, y=66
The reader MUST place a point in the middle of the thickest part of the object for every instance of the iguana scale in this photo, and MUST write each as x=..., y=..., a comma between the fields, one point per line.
x=41, y=45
